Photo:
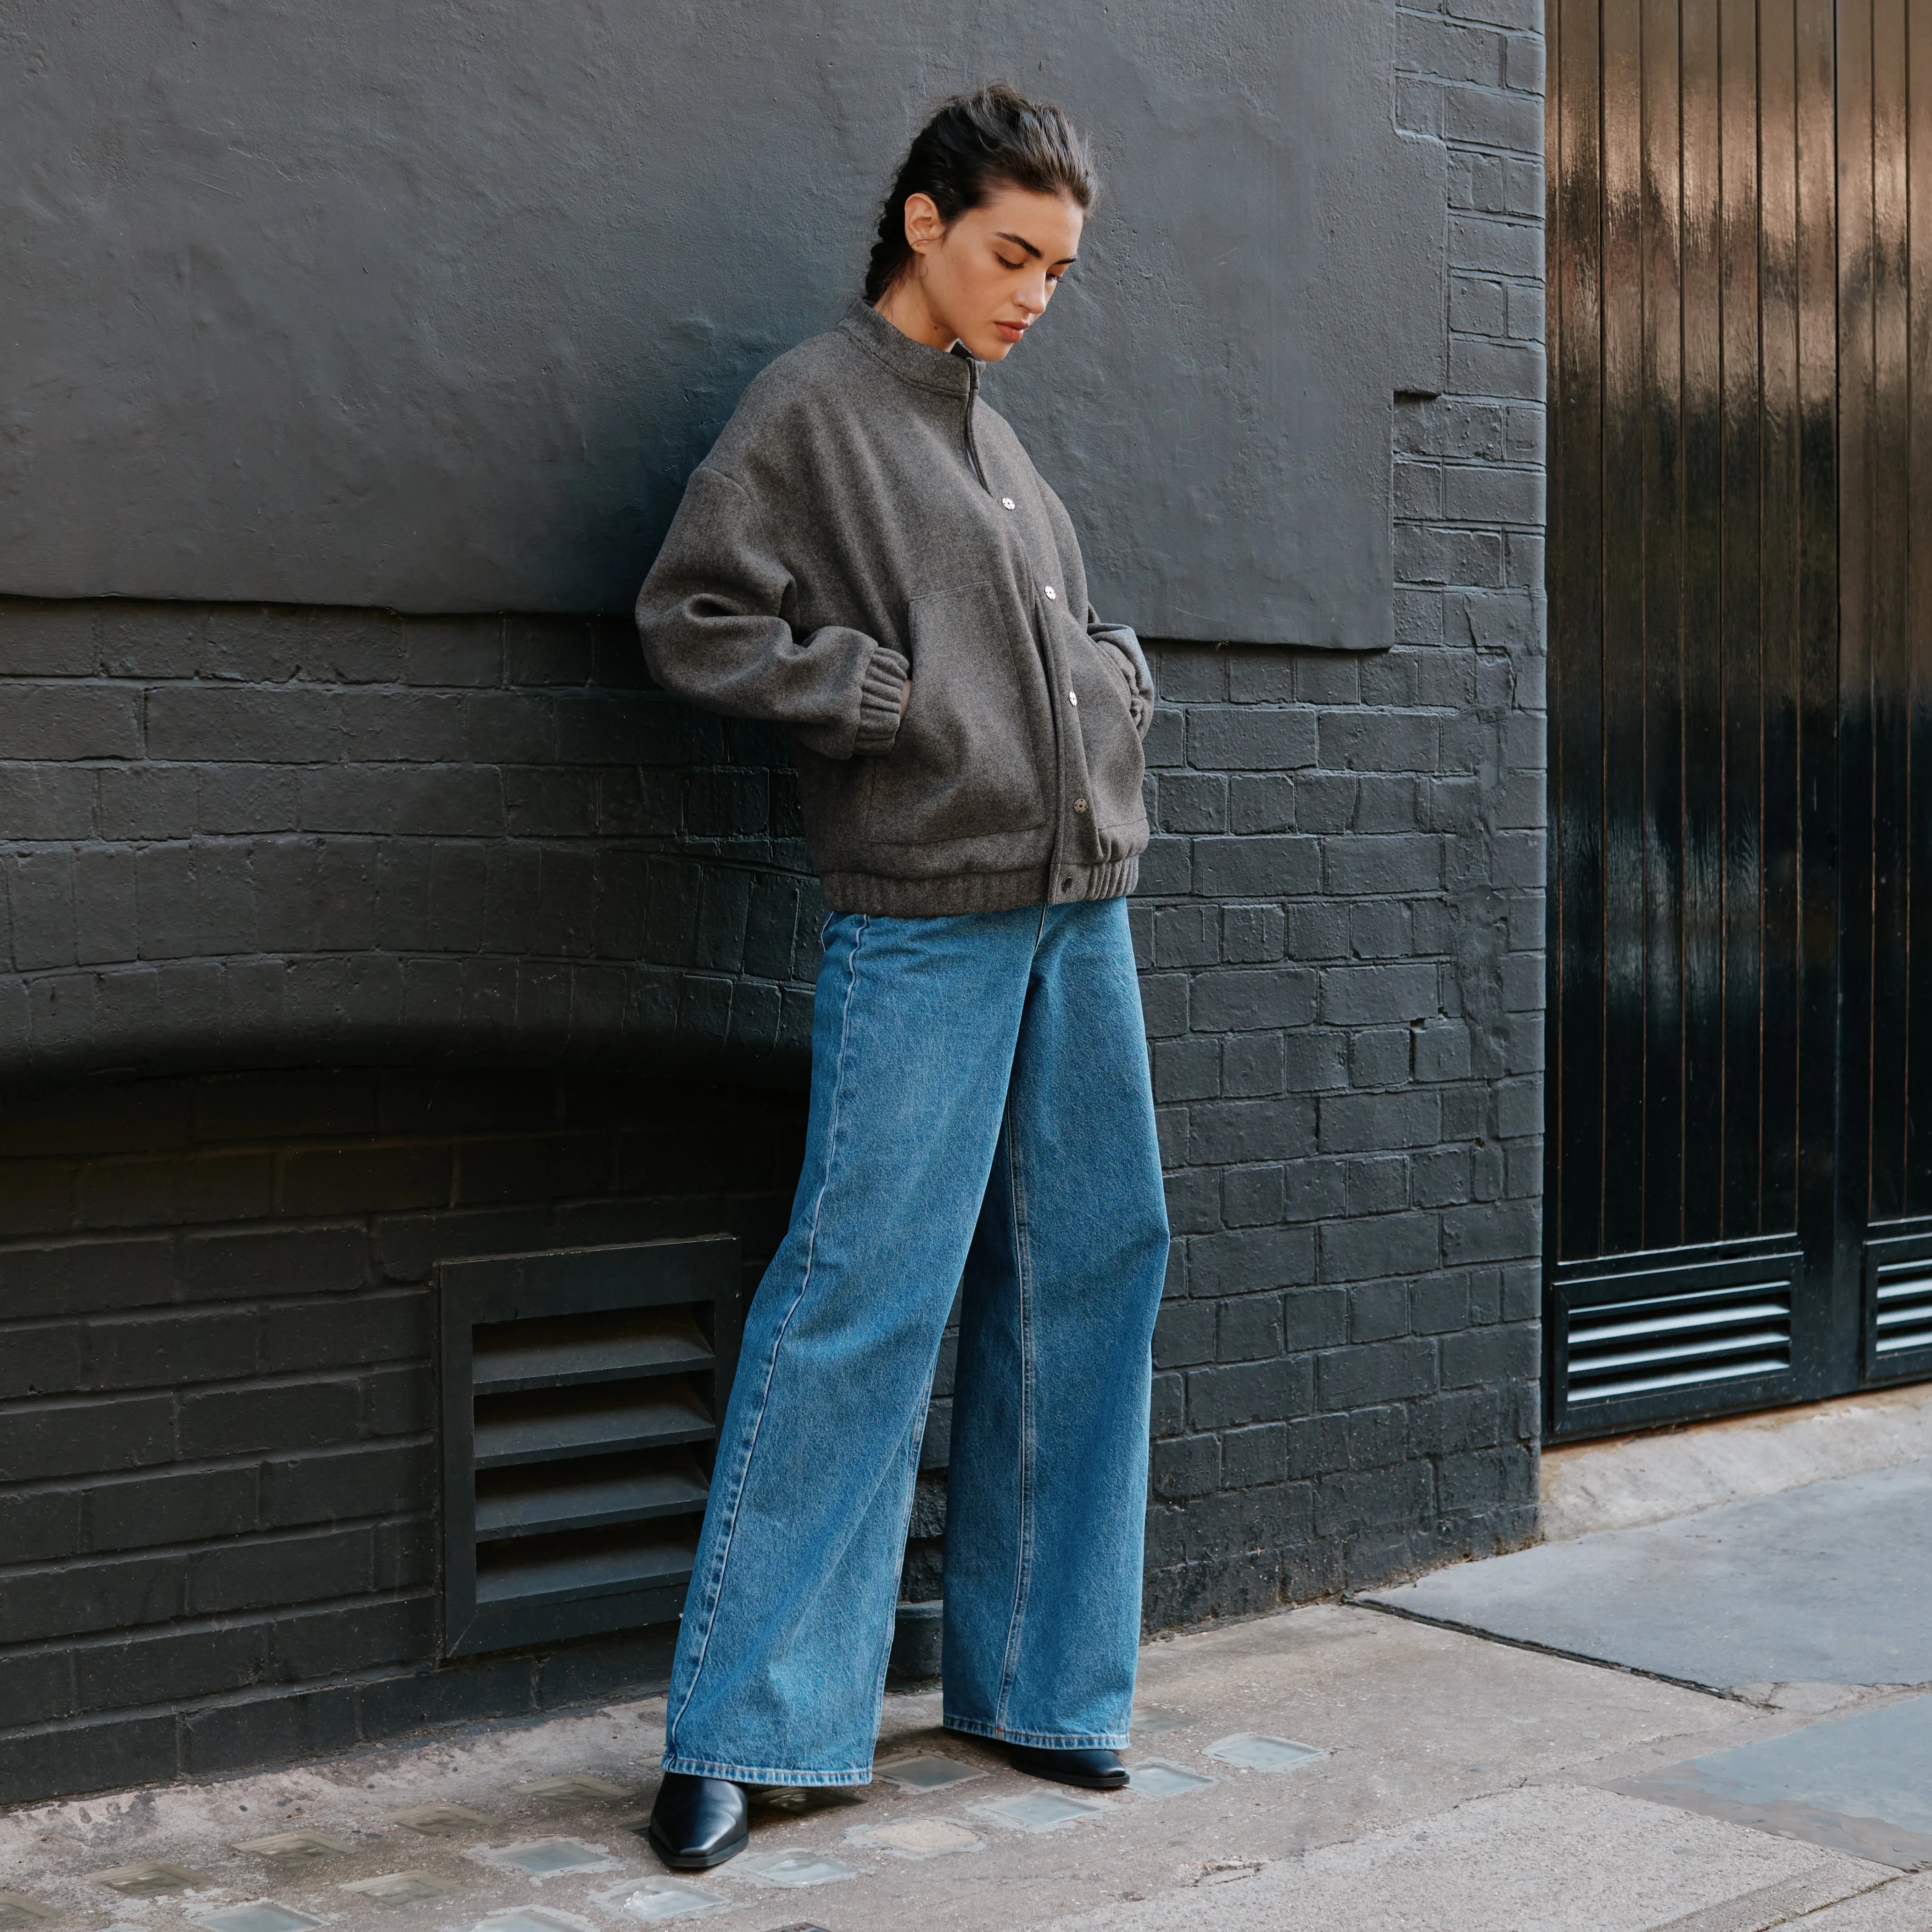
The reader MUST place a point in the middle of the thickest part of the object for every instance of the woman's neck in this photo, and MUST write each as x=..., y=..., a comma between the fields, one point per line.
x=905, y=307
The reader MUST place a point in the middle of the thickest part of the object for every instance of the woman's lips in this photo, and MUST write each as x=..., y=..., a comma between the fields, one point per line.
x=1011, y=331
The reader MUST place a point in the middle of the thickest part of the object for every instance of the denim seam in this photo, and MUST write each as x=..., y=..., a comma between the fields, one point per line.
x=915, y=1438
x=766, y=1775
x=976, y=1727
x=714, y=1583
x=1023, y=1280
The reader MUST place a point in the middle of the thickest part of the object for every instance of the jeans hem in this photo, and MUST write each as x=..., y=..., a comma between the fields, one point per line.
x=1005, y=1734
x=764, y=1775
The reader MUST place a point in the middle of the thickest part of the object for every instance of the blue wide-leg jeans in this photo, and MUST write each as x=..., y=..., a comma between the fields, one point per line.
x=981, y=1121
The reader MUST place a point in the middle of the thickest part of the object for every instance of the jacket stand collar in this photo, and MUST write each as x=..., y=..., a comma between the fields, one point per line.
x=952, y=371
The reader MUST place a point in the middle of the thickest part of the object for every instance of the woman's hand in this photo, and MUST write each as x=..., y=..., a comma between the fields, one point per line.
x=905, y=696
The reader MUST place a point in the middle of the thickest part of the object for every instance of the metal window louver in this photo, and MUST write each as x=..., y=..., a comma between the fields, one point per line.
x=1671, y=1341
x=582, y=1390
x=1898, y=1302
x=1628, y=1345
x=1902, y=1317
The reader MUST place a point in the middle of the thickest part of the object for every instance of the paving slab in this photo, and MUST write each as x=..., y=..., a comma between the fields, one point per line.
x=1824, y=1584
x=1547, y=1859
x=1861, y=1784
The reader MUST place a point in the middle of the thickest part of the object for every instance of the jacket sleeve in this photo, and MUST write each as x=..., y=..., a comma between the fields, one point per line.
x=710, y=617
x=1119, y=639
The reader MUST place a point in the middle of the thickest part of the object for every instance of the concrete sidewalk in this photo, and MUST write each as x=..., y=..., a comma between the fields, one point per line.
x=1444, y=1783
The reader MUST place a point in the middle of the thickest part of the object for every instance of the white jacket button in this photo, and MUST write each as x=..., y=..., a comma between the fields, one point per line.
x=1008, y=501
x=1051, y=592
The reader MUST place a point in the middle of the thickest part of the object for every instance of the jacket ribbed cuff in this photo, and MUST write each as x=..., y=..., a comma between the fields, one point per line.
x=879, y=693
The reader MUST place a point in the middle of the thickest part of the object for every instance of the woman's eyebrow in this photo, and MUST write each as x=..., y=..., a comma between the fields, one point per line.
x=1021, y=241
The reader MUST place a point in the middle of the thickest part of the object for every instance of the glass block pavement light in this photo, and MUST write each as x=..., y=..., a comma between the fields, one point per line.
x=541, y=1857
x=1156, y=1777
x=263, y=1917
x=925, y=1771
x=653, y=1900
x=1253, y=1752
x=791, y=1868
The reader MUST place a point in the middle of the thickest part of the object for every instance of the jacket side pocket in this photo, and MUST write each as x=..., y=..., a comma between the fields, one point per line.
x=1110, y=746
x=966, y=764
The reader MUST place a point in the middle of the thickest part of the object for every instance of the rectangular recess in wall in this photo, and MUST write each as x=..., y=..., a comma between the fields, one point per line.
x=1635, y=1338
x=582, y=1392
x=1898, y=1301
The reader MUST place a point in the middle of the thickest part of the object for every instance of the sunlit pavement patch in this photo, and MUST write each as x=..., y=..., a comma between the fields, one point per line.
x=438, y=1821
x=1861, y=1785
x=149, y=1881
x=543, y=1858
x=1151, y=1720
x=801, y=1801
x=577, y=1790
x=17, y=1910
x=915, y=1837
x=1253, y=1752
x=1155, y=1778
x=652, y=1901
x=295, y=1848
x=1041, y=1813
x=402, y=1888
x=791, y=1868
x=925, y=1771
x=263, y=1917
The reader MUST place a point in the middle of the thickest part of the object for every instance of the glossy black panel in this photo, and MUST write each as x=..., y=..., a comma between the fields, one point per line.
x=1742, y=710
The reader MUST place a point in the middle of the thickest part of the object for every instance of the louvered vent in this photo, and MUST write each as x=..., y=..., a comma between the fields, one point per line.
x=1649, y=1338
x=582, y=1392
x=1670, y=1341
x=1901, y=1309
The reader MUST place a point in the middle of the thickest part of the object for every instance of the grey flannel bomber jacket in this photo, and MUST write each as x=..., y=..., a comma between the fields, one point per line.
x=866, y=518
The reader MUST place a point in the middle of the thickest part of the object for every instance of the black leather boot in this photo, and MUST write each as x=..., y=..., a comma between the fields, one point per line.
x=697, y=1822
x=1095, y=1770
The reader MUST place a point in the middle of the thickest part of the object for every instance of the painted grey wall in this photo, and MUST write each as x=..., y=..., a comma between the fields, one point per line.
x=435, y=308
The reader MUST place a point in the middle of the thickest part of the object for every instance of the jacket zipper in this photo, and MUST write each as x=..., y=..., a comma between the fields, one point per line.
x=972, y=448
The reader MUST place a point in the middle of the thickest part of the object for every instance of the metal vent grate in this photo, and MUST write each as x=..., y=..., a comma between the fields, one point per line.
x=581, y=1394
x=1898, y=1301
x=1670, y=1341
x=1902, y=1316
x=1649, y=1338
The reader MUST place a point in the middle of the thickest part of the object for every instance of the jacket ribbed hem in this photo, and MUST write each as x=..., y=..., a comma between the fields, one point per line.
x=887, y=898
x=879, y=691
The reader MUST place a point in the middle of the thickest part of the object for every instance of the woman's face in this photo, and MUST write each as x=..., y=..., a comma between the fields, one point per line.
x=987, y=279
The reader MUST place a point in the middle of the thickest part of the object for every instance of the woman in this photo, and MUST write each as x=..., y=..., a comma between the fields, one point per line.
x=867, y=556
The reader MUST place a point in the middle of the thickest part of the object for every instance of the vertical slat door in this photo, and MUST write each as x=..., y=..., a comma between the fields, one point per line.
x=1694, y=569
x=1885, y=190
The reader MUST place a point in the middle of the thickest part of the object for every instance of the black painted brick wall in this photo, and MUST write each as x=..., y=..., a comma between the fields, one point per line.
x=311, y=836
x=241, y=834
x=218, y=1478
x=1341, y=932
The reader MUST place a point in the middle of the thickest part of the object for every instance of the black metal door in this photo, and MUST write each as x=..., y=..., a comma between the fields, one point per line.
x=1741, y=659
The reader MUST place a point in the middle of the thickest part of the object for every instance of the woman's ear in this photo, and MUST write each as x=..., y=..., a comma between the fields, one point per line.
x=924, y=228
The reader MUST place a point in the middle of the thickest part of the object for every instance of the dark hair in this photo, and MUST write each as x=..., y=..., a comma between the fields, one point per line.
x=975, y=144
